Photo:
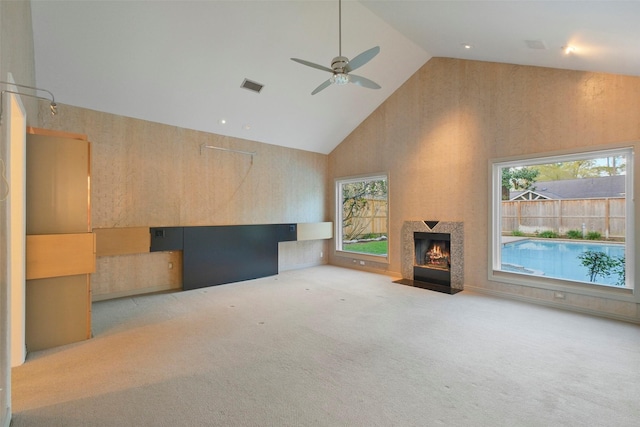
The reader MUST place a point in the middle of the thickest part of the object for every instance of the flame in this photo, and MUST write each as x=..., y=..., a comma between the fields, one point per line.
x=438, y=250
x=437, y=255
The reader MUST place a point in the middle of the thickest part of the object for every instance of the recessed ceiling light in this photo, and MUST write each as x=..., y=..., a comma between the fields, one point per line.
x=246, y=127
x=466, y=45
x=568, y=50
x=222, y=121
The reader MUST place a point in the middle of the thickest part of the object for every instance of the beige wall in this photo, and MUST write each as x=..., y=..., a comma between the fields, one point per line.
x=436, y=135
x=16, y=57
x=149, y=174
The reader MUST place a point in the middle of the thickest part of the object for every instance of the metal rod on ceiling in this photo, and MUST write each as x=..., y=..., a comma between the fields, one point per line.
x=229, y=150
x=53, y=101
x=53, y=106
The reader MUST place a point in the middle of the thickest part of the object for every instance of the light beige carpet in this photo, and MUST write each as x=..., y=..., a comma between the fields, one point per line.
x=327, y=346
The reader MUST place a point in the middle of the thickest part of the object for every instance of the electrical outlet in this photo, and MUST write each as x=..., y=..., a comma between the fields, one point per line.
x=559, y=295
x=170, y=266
x=361, y=262
x=321, y=254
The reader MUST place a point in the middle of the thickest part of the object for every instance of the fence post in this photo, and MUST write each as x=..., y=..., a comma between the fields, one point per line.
x=558, y=206
x=607, y=215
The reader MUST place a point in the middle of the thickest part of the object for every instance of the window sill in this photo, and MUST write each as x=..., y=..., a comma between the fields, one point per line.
x=380, y=259
x=551, y=284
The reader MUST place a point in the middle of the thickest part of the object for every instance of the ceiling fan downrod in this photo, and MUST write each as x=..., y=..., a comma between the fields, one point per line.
x=340, y=28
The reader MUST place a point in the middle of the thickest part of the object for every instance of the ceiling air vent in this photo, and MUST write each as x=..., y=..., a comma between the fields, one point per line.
x=252, y=86
x=535, y=44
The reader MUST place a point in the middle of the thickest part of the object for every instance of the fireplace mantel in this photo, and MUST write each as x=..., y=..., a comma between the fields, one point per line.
x=455, y=229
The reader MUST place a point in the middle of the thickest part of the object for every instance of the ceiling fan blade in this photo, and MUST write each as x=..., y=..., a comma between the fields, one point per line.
x=362, y=59
x=312, y=65
x=364, y=82
x=324, y=85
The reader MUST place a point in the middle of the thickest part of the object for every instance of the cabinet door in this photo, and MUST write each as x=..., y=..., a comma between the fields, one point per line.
x=58, y=310
x=57, y=185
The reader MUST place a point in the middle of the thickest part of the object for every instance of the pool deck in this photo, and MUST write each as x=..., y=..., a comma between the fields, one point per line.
x=510, y=239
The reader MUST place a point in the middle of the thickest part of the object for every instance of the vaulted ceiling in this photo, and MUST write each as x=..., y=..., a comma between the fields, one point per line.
x=182, y=63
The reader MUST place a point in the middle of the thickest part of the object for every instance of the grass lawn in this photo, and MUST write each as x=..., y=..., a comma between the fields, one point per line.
x=373, y=248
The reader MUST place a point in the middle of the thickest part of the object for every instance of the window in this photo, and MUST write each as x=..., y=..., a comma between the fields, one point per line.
x=361, y=216
x=564, y=220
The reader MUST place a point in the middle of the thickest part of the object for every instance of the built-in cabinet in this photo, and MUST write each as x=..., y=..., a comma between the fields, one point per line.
x=212, y=255
x=60, y=247
x=215, y=255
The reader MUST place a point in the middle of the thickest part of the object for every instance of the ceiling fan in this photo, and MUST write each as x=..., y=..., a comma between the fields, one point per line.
x=341, y=66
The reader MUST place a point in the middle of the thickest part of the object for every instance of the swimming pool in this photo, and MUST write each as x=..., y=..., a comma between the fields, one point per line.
x=556, y=259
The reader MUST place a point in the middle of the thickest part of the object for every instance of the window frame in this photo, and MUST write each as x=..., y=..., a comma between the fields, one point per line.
x=495, y=225
x=383, y=259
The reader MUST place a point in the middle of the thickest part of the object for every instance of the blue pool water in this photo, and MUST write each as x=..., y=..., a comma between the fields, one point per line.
x=556, y=259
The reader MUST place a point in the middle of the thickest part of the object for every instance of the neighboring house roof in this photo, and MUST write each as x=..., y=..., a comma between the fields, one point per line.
x=582, y=188
x=529, y=195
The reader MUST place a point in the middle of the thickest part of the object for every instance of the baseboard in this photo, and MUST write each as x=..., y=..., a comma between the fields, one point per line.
x=6, y=420
x=283, y=268
x=367, y=268
x=134, y=292
x=166, y=288
x=552, y=304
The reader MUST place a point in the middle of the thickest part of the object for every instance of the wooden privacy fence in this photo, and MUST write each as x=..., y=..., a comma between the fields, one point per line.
x=372, y=220
x=604, y=215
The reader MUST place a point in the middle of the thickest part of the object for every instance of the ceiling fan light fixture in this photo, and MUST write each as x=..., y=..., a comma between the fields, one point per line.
x=340, y=79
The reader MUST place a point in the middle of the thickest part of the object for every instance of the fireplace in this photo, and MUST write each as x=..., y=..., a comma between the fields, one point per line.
x=433, y=255
x=432, y=258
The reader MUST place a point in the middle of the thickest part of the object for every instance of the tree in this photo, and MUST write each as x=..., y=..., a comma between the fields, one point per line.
x=518, y=178
x=568, y=170
x=356, y=199
x=620, y=269
x=615, y=165
x=587, y=168
x=598, y=263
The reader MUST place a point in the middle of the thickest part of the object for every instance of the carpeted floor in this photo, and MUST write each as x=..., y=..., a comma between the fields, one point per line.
x=327, y=346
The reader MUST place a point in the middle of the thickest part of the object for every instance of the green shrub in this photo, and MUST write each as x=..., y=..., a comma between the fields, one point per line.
x=594, y=235
x=517, y=233
x=574, y=234
x=548, y=234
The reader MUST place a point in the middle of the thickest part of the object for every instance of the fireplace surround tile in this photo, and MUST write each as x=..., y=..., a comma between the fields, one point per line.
x=455, y=229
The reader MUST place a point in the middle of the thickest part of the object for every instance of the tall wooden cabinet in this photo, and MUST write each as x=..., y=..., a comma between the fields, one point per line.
x=60, y=248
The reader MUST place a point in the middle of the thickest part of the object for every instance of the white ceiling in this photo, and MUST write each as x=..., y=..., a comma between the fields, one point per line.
x=182, y=62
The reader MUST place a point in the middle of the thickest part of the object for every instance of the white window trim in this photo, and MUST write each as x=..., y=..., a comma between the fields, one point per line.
x=383, y=259
x=495, y=229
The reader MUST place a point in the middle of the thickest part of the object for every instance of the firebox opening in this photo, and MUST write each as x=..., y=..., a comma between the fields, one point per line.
x=433, y=250
x=432, y=258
